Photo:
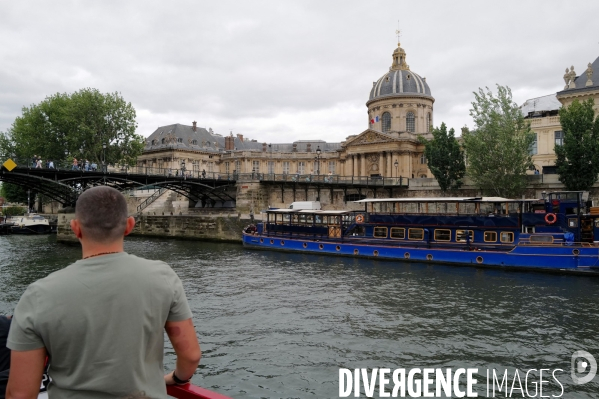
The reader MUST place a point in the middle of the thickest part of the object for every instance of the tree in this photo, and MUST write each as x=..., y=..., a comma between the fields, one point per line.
x=15, y=193
x=75, y=125
x=445, y=158
x=578, y=158
x=498, y=151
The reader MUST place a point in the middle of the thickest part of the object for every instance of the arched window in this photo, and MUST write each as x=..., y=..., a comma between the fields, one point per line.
x=162, y=141
x=386, y=122
x=410, y=122
x=429, y=122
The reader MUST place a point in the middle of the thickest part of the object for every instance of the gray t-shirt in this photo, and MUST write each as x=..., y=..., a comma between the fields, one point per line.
x=102, y=322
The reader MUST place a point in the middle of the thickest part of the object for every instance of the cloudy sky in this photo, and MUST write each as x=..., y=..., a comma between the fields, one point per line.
x=279, y=71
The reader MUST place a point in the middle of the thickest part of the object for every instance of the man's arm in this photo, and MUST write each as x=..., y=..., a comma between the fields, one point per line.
x=182, y=335
x=25, y=378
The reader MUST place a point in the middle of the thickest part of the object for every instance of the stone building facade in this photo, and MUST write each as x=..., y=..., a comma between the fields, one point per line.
x=543, y=113
x=399, y=107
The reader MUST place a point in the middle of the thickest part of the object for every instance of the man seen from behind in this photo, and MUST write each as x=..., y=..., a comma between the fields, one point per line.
x=101, y=320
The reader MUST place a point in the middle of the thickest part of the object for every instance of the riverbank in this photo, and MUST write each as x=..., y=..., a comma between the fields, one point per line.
x=224, y=227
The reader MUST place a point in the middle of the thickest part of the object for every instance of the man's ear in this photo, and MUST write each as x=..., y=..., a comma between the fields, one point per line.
x=76, y=228
x=130, y=225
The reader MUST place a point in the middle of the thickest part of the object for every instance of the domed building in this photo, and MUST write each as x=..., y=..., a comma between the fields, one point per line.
x=400, y=108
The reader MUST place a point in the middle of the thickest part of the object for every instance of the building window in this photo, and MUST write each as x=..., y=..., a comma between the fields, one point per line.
x=559, y=137
x=194, y=142
x=301, y=167
x=196, y=166
x=410, y=122
x=210, y=167
x=386, y=122
x=332, y=167
x=429, y=122
x=227, y=167
x=533, y=146
x=255, y=166
x=271, y=166
x=162, y=141
x=179, y=140
x=286, y=168
x=422, y=159
x=237, y=167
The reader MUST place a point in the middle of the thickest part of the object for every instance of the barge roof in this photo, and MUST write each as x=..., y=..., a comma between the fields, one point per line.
x=446, y=199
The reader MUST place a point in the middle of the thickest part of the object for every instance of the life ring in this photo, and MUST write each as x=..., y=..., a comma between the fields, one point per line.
x=360, y=219
x=550, y=218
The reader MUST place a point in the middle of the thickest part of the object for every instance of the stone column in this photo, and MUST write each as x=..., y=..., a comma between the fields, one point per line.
x=355, y=158
x=390, y=169
x=382, y=163
x=362, y=165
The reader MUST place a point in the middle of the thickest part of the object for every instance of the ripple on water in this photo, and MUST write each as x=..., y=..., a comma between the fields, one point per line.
x=280, y=325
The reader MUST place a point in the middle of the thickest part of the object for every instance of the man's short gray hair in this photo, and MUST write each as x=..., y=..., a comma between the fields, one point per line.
x=102, y=214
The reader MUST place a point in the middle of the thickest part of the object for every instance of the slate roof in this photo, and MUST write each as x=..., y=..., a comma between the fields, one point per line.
x=399, y=83
x=581, y=80
x=540, y=105
x=183, y=137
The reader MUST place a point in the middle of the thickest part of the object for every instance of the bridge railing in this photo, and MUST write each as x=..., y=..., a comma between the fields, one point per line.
x=182, y=173
x=334, y=179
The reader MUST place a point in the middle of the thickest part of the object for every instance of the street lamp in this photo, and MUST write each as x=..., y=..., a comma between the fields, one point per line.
x=396, y=164
x=182, y=167
x=318, y=152
x=104, y=157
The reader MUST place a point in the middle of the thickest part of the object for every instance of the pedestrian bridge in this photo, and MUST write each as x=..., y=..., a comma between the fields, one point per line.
x=64, y=183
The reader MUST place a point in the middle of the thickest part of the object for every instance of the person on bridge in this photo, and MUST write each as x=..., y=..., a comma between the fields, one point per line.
x=75, y=167
x=101, y=320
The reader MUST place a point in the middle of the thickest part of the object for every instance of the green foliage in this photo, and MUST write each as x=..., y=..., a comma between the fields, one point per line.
x=15, y=193
x=578, y=159
x=75, y=125
x=13, y=211
x=498, y=150
x=445, y=158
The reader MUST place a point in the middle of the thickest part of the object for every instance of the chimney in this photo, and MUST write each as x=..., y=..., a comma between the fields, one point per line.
x=240, y=137
x=309, y=147
x=263, y=147
x=294, y=147
x=195, y=124
x=229, y=143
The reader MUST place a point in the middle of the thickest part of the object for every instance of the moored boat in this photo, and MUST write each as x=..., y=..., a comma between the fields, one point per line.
x=30, y=223
x=559, y=232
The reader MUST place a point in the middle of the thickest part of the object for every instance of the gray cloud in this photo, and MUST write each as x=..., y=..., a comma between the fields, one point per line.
x=281, y=71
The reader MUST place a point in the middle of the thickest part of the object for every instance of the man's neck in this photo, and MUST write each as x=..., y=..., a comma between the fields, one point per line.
x=90, y=250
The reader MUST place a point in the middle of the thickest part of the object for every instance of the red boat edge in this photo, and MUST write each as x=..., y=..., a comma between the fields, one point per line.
x=190, y=391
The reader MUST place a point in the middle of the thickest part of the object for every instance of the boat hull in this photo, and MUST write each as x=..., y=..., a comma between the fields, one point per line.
x=548, y=258
x=31, y=229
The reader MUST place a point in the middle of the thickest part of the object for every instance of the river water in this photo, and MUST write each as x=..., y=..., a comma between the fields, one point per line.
x=278, y=325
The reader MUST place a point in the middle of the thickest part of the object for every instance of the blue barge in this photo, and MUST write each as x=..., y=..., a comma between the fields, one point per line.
x=558, y=233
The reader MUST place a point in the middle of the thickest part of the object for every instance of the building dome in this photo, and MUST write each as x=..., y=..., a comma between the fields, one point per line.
x=399, y=81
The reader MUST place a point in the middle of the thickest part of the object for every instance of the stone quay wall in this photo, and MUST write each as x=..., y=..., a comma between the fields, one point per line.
x=212, y=227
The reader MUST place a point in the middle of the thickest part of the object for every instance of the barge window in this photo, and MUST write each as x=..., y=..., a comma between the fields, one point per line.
x=464, y=235
x=507, y=236
x=490, y=236
x=380, y=232
x=538, y=239
x=572, y=222
x=443, y=235
x=415, y=234
x=400, y=233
